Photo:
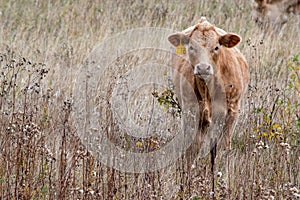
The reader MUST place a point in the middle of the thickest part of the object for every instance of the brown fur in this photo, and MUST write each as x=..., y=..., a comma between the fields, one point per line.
x=275, y=11
x=230, y=78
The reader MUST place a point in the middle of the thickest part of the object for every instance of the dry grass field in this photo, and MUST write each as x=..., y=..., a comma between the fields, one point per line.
x=43, y=45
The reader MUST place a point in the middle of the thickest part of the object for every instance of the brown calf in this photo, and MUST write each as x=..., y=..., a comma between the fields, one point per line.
x=212, y=69
x=274, y=11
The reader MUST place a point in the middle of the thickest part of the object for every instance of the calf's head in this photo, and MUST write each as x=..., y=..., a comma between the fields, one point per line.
x=203, y=43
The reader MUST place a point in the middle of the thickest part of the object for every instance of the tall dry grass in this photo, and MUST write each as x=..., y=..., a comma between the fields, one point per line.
x=43, y=46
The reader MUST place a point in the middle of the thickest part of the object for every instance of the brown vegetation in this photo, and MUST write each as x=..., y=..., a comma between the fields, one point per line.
x=43, y=46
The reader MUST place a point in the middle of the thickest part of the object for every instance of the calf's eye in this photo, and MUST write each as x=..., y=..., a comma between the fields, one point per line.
x=191, y=48
x=216, y=48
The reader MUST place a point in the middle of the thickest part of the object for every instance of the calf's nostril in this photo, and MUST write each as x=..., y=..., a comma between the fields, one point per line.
x=203, y=68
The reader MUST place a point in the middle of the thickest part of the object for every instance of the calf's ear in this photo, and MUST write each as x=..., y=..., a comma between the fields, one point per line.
x=178, y=38
x=229, y=40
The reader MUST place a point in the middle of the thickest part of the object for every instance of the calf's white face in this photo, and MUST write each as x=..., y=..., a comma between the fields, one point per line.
x=203, y=45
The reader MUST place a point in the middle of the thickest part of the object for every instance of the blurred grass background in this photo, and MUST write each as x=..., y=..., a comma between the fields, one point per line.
x=42, y=46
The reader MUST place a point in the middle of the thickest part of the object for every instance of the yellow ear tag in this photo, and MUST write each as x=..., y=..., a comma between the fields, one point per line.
x=180, y=49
